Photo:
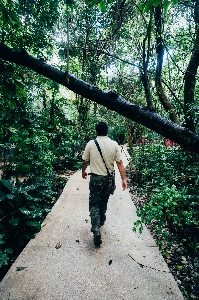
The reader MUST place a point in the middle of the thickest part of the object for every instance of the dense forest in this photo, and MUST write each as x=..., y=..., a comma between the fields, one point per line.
x=64, y=65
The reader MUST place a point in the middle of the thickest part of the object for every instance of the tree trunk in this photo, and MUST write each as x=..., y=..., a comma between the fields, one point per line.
x=190, y=76
x=146, y=55
x=111, y=100
x=160, y=54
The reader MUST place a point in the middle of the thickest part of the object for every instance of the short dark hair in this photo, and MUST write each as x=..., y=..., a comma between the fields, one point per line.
x=101, y=128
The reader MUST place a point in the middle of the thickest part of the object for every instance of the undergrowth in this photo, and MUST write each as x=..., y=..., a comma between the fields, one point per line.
x=167, y=178
x=23, y=207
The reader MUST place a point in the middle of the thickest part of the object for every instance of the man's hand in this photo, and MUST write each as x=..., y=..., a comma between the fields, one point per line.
x=84, y=175
x=122, y=173
x=124, y=184
x=84, y=166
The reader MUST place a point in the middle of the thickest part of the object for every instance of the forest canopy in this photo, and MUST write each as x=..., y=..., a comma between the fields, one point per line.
x=139, y=59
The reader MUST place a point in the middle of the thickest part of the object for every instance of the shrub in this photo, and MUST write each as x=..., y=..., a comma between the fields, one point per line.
x=169, y=177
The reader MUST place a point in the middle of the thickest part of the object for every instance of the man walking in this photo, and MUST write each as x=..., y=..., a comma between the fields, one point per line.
x=102, y=166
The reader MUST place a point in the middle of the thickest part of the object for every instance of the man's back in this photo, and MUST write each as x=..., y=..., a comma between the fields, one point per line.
x=110, y=150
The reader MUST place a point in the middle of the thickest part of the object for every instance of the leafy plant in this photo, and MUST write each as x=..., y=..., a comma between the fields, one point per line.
x=168, y=176
x=23, y=207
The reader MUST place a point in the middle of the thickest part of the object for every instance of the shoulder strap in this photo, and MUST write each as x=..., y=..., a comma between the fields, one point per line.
x=98, y=147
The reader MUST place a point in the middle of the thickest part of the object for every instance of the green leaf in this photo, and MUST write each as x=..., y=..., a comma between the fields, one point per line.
x=28, y=236
x=70, y=3
x=3, y=259
x=20, y=268
x=1, y=239
x=37, y=213
x=35, y=224
x=14, y=17
x=24, y=211
x=102, y=6
x=141, y=7
x=8, y=250
x=166, y=4
x=140, y=230
x=6, y=183
x=32, y=198
x=10, y=196
x=148, y=6
x=14, y=222
x=93, y=3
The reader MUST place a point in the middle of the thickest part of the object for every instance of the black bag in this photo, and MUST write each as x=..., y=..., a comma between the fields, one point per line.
x=111, y=186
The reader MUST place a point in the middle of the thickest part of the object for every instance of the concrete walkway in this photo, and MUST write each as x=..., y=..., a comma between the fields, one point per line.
x=63, y=263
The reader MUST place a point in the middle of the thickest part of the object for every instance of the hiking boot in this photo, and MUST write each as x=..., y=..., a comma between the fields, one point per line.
x=102, y=223
x=97, y=237
x=102, y=219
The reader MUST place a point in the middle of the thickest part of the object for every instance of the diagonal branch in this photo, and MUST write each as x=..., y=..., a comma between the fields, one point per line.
x=111, y=100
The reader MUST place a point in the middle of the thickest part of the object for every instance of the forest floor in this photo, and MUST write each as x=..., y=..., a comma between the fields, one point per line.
x=181, y=260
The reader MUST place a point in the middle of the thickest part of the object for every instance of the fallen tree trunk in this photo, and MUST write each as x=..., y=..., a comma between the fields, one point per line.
x=186, y=138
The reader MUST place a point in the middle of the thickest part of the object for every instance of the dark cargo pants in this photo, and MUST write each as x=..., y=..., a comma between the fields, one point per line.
x=98, y=199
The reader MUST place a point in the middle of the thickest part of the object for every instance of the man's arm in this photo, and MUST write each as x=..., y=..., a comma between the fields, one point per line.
x=122, y=173
x=84, y=166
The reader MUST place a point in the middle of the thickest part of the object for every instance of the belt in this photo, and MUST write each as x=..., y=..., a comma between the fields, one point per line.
x=93, y=174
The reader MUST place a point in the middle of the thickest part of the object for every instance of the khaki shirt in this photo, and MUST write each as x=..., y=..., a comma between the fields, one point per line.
x=110, y=150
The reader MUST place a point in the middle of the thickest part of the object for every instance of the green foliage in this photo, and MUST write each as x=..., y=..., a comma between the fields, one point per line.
x=37, y=141
x=4, y=256
x=168, y=177
x=100, y=3
x=170, y=206
x=146, y=6
x=23, y=207
x=70, y=3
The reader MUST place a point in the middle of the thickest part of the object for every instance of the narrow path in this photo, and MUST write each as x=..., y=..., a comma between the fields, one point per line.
x=63, y=263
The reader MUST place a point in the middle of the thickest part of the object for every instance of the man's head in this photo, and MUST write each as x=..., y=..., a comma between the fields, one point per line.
x=101, y=129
